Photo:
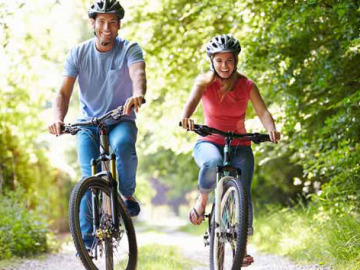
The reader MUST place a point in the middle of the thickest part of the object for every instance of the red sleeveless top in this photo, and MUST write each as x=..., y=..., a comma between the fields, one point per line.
x=227, y=114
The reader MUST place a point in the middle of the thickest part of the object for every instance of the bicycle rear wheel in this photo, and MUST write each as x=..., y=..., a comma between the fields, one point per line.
x=108, y=248
x=227, y=247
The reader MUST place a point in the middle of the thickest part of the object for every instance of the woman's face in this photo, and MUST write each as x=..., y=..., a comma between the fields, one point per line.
x=224, y=64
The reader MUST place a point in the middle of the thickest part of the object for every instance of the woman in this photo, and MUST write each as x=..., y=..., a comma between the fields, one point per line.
x=224, y=93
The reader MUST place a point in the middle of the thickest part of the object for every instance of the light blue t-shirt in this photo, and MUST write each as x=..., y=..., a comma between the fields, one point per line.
x=103, y=77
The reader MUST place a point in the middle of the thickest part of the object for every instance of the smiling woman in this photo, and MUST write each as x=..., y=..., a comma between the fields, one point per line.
x=224, y=94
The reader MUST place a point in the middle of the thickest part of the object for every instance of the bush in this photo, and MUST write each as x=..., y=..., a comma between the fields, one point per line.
x=23, y=231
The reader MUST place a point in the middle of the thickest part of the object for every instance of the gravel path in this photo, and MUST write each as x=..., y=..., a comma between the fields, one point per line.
x=191, y=246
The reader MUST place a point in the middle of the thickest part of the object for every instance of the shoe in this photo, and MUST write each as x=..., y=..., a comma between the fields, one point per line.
x=199, y=218
x=197, y=214
x=248, y=259
x=133, y=207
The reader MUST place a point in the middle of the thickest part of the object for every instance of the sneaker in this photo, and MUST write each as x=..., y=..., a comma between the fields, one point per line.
x=133, y=207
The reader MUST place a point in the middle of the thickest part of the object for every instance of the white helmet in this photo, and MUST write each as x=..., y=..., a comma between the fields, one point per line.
x=223, y=43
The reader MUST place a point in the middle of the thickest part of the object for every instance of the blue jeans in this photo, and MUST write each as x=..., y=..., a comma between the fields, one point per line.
x=208, y=156
x=122, y=139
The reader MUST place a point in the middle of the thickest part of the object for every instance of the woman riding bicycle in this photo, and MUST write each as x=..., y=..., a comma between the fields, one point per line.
x=224, y=93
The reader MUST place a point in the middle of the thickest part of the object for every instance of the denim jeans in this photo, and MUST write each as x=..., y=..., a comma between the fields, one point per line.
x=122, y=139
x=208, y=156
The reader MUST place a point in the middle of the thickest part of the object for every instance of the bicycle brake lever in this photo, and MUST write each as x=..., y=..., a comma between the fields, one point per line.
x=117, y=113
x=70, y=129
x=203, y=131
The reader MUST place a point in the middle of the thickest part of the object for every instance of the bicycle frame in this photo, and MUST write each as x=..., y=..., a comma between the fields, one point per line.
x=109, y=174
x=225, y=170
x=111, y=222
x=227, y=177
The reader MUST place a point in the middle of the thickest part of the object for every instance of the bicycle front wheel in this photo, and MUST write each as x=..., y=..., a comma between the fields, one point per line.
x=99, y=244
x=228, y=242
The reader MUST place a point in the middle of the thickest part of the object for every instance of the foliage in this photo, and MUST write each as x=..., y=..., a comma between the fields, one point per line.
x=29, y=56
x=175, y=171
x=320, y=87
x=22, y=232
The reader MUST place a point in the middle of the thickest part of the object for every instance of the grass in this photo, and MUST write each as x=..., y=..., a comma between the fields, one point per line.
x=159, y=257
x=310, y=236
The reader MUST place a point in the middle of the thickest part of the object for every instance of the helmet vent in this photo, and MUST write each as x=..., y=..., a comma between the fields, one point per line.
x=223, y=43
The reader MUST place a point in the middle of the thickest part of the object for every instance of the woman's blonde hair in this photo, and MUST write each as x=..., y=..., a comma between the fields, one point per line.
x=205, y=79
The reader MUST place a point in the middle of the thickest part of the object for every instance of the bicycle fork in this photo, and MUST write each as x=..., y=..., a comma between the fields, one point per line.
x=108, y=202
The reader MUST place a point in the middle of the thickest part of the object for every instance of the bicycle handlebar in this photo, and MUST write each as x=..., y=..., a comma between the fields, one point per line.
x=204, y=131
x=115, y=114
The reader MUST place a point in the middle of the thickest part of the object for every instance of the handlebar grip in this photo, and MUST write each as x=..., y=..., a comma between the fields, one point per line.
x=69, y=129
x=195, y=125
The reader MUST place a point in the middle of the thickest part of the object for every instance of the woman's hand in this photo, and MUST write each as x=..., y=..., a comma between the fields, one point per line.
x=187, y=123
x=274, y=136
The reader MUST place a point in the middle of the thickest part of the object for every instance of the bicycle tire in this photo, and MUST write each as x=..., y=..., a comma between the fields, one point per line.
x=227, y=250
x=124, y=241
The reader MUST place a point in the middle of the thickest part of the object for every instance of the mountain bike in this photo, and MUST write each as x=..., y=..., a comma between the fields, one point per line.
x=114, y=241
x=228, y=220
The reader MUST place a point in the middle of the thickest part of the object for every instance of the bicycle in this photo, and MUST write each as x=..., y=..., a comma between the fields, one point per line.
x=114, y=241
x=228, y=219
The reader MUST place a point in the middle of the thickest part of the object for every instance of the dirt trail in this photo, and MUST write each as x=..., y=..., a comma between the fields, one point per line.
x=191, y=246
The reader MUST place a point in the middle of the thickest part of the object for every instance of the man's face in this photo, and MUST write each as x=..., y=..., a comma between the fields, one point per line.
x=106, y=27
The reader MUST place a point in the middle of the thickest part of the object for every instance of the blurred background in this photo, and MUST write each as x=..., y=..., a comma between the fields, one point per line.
x=304, y=57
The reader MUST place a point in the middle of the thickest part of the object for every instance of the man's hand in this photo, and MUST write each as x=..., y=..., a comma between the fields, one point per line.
x=55, y=128
x=135, y=101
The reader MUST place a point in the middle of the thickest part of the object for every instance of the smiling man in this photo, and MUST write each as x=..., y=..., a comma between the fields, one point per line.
x=110, y=72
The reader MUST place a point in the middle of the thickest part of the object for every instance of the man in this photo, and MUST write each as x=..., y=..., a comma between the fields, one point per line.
x=111, y=72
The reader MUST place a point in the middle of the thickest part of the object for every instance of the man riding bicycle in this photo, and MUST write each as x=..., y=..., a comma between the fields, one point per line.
x=111, y=72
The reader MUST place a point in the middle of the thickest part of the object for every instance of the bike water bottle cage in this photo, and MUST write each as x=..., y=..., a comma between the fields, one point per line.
x=106, y=7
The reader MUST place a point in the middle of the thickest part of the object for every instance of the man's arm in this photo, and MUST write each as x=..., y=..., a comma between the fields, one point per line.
x=61, y=104
x=138, y=77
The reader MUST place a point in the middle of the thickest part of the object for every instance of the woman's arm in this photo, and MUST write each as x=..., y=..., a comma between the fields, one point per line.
x=190, y=107
x=263, y=113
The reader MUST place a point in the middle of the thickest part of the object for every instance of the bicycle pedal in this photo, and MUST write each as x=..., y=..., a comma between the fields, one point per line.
x=206, y=239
